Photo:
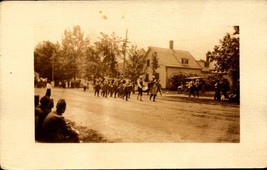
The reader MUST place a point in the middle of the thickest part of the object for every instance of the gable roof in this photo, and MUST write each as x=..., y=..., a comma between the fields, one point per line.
x=141, y=52
x=173, y=58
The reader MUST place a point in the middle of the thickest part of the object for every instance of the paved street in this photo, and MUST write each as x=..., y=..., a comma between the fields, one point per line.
x=171, y=118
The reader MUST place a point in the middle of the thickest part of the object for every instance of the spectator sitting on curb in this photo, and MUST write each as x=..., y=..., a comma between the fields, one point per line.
x=55, y=128
x=40, y=114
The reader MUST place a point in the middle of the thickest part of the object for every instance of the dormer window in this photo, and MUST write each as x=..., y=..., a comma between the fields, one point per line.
x=184, y=61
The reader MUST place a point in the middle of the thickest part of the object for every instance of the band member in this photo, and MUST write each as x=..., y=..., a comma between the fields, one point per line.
x=140, y=84
x=154, y=88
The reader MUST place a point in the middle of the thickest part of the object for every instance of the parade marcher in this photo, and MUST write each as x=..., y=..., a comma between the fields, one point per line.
x=217, y=86
x=97, y=88
x=153, y=88
x=105, y=89
x=115, y=88
x=110, y=88
x=140, y=84
x=121, y=88
x=55, y=128
x=127, y=90
x=84, y=86
x=133, y=87
x=159, y=88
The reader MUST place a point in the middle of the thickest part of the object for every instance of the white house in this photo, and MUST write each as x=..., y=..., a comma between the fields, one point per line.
x=173, y=61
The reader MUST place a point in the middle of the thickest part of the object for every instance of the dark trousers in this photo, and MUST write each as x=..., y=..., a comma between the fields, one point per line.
x=140, y=91
x=154, y=96
x=217, y=95
x=97, y=93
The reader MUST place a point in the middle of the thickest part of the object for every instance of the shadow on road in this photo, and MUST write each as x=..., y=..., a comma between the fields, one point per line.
x=88, y=135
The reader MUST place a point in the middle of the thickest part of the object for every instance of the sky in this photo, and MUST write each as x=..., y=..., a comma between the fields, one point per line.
x=194, y=26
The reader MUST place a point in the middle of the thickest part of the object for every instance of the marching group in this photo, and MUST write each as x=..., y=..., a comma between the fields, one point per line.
x=123, y=88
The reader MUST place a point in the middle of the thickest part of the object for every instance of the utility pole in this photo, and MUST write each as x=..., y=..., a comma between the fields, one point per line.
x=53, y=65
x=125, y=45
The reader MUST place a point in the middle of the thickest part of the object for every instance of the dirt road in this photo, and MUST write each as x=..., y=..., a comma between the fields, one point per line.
x=169, y=119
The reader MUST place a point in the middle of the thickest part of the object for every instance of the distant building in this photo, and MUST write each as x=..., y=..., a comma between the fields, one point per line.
x=174, y=61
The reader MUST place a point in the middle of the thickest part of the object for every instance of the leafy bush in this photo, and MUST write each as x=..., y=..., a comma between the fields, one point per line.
x=178, y=78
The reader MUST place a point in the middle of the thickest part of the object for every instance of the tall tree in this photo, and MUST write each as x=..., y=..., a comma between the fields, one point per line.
x=108, y=48
x=74, y=46
x=226, y=55
x=43, y=58
x=135, y=64
x=155, y=63
x=94, y=67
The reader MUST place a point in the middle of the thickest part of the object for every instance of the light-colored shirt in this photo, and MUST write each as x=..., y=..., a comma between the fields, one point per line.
x=48, y=86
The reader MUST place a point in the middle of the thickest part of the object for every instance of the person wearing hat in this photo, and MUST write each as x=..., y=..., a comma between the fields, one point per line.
x=217, y=87
x=48, y=88
x=191, y=87
x=197, y=88
x=153, y=88
x=140, y=84
x=55, y=128
x=40, y=114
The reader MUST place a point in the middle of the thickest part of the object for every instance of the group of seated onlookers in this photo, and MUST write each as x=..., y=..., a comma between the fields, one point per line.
x=50, y=125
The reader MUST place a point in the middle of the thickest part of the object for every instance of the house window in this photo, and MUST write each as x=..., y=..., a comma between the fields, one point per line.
x=148, y=63
x=184, y=61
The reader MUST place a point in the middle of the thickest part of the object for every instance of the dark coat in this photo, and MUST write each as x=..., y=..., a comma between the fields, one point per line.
x=55, y=129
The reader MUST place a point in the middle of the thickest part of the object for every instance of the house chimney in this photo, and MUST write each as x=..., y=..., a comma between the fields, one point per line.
x=171, y=44
x=207, y=63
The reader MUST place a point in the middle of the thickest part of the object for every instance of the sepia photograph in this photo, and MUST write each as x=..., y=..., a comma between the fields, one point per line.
x=101, y=83
x=110, y=87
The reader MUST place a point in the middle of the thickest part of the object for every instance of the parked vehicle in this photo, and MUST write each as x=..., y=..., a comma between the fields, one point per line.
x=183, y=88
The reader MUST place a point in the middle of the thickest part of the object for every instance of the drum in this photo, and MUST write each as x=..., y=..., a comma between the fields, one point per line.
x=145, y=89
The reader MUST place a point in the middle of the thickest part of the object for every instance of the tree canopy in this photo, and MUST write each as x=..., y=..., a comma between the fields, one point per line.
x=108, y=49
x=135, y=64
x=74, y=46
x=76, y=57
x=43, y=57
x=226, y=55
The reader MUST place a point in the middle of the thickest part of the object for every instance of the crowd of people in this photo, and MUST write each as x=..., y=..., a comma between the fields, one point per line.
x=51, y=126
x=221, y=89
x=194, y=86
